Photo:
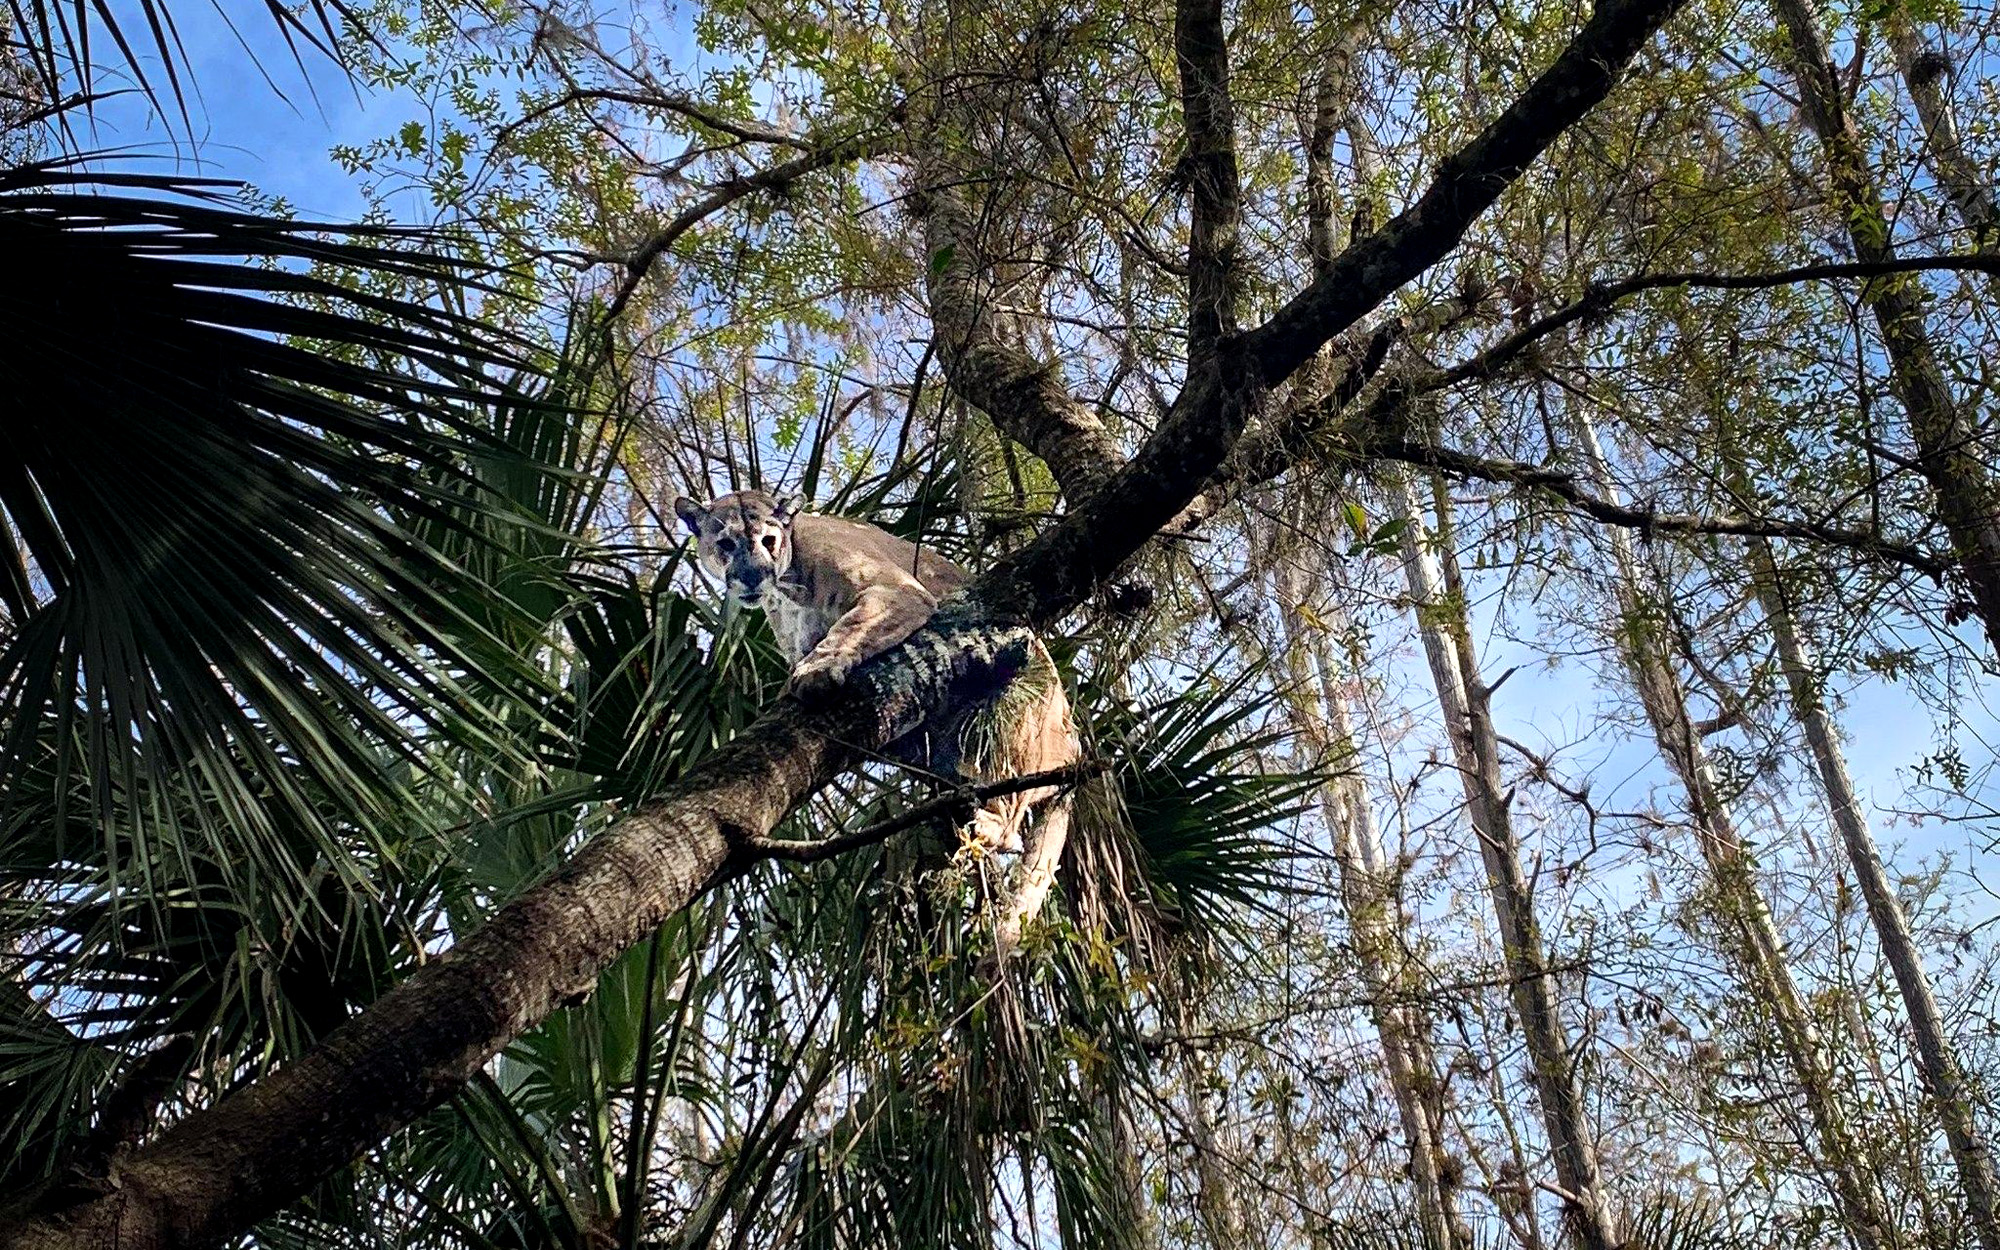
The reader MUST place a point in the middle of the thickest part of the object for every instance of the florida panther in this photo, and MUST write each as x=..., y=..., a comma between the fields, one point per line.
x=839, y=592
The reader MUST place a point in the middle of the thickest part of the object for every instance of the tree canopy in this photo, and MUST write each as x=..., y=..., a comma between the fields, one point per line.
x=1510, y=489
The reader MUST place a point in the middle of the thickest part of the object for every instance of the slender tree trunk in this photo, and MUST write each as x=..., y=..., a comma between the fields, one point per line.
x=1368, y=890
x=1464, y=700
x=1215, y=1201
x=1949, y=453
x=1113, y=1133
x=1927, y=75
x=1943, y=1076
x=1756, y=948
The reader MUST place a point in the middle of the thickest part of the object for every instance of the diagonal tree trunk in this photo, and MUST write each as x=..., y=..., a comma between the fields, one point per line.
x=1943, y=1076
x=1464, y=700
x=1755, y=946
x=1367, y=887
x=1949, y=451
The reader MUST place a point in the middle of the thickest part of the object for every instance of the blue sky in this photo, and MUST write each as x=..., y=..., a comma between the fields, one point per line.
x=244, y=129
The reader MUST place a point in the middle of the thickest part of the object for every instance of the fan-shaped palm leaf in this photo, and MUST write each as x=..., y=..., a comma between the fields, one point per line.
x=199, y=571
x=1196, y=799
x=65, y=43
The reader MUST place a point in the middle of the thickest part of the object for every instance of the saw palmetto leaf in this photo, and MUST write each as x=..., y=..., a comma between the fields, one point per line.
x=242, y=710
x=212, y=428
x=68, y=46
x=1197, y=802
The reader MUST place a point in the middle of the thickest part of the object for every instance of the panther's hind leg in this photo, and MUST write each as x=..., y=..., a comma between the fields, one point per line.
x=1040, y=737
x=1029, y=733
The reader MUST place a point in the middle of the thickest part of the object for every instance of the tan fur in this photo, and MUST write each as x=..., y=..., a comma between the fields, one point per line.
x=840, y=592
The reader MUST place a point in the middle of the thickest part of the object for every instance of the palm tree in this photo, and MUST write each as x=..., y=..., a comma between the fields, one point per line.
x=367, y=665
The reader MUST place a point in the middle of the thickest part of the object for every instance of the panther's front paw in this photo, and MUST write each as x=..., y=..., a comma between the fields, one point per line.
x=992, y=831
x=817, y=676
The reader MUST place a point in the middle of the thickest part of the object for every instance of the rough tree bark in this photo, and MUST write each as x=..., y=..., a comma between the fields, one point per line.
x=1367, y=885
x=1949, y=451
x=1754, y=946
x=1936, y=1057
x=1464, y=700
x=222, y=1169
x=1927, y=75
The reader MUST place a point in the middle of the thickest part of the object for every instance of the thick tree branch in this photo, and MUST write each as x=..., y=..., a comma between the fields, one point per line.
x=127, y=1110
x=222, y=1170
x=1328, y=422
x=1215, y=191
x=1288, y=438
x=1467, y=183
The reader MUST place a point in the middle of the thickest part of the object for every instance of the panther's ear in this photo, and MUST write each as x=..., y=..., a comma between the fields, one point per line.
x=787, y=508
x=690, y=512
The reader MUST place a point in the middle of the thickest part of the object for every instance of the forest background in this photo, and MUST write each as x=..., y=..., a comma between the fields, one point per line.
x=1549, y=749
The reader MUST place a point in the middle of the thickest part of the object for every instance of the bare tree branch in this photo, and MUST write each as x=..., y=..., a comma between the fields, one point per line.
x=777, y=178
x=749, y=130
x=957, y=805
x=1563, y=485
x=1600, y=296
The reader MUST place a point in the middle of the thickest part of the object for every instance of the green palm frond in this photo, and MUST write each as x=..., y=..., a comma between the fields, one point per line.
x=201, y=571
x=952, y=1089
x=527, y=494
x=916, y=500
x=49, y=1079
x=649, y=703
x=1197, y=800
x=66, y=45
x=149, y=908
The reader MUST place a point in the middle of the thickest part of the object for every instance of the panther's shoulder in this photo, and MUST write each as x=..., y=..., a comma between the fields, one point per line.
x=861, y=555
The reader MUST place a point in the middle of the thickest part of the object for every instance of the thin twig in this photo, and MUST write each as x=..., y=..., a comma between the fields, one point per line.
x=959, y=801
x=1598, y=298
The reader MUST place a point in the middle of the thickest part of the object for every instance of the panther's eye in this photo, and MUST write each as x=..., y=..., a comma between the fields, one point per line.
x=725, y=545
x=771, y=543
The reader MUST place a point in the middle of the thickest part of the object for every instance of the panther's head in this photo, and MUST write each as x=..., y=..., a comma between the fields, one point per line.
x=743, y=539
